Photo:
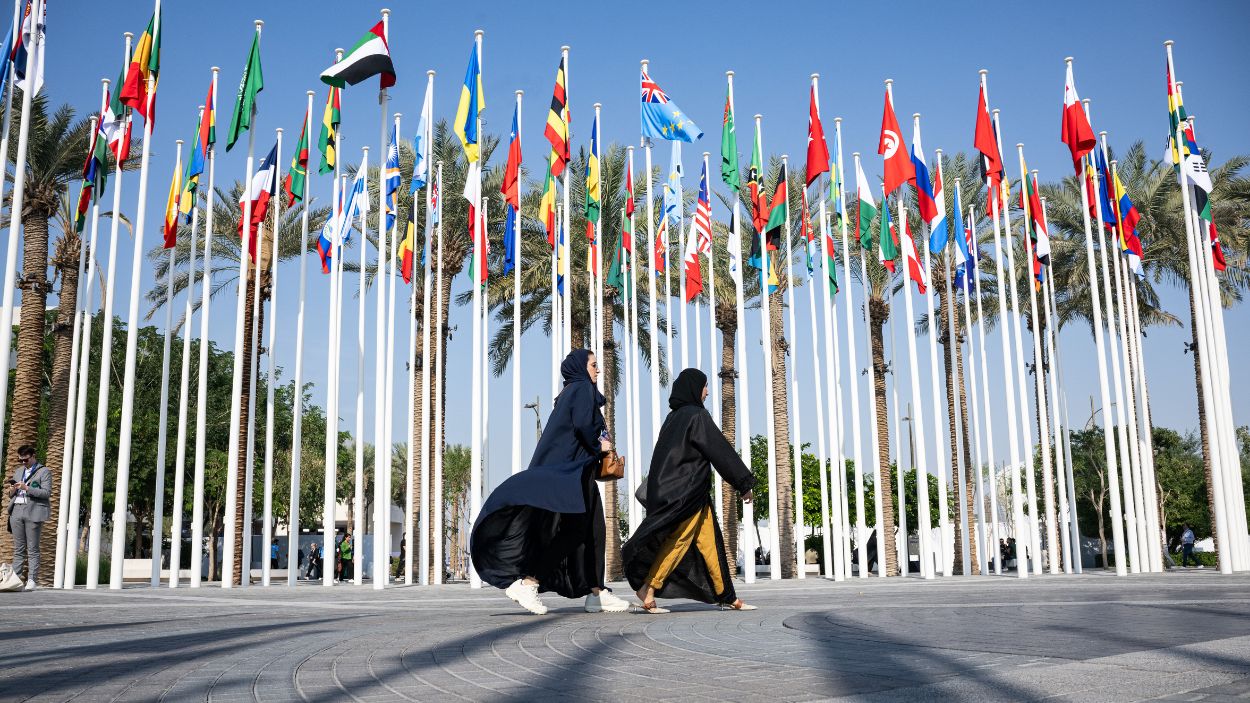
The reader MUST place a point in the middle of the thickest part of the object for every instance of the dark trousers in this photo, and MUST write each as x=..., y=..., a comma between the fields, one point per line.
x=1187, y=553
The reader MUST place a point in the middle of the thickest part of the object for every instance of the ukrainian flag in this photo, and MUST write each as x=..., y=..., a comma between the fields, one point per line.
x=472, y=102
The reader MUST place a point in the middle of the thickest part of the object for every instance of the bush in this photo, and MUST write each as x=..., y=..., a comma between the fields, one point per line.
x=1210, y=560
x=817, y=543
x=80, y=570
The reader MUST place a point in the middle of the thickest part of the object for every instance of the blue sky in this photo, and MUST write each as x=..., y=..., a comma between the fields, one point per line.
x=932, y=54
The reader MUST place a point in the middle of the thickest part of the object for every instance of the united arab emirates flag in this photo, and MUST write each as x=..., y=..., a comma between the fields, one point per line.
x=371, y=56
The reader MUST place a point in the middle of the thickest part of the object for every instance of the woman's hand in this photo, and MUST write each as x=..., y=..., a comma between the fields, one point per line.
x=605, y=446
x=746, y=497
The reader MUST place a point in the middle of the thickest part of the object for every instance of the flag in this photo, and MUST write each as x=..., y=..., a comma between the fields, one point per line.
x=6, y=60
x=478, y=271
x=831, y=260
x=985, y=140
x=1075, y=130
x=559, y=250
x=661, y=117
x=703, y=216
x=252, y=82
x=407, y=245
x=938, y=235
x=915, y=267
x=898, y=168
x=729, y=149
x=557, y=130
x=835, y=186
x=1187, y=158
x=755, y=186
x=84, y=203
x=672, y=189
x=329, y=233
x=1040, y=233
x=328, y=140
x=297, y=177
x=512, y=195
x=205, y=136
x=926, y=200
x=690, y=265
x=370, y=57
x=887, y=251
x=807, y=234
x=1104, y=190
x=817, y=148
x=629, y=194
x=1127, y=217
x=391, y=179
x=170, y=227
x=116, y=124
x=1217, y=251
x=19, y=57
x=145, y=64
x=733, y=249
x=547, y=205
x=260, y=190
x=593, y=185
x=867, y=209
x=1176, y=118
x=660, y=249
x=472, y=102
x=778, y=210
x=93, y=169
x=965, y=262
x=421, y=145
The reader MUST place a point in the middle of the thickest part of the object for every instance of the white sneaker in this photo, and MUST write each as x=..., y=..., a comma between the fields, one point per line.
x=605, y=602
x=526, y=596
x=30, y=585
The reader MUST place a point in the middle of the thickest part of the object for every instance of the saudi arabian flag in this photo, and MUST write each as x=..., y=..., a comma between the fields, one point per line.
x=729, y=149
x=867, y=209
x=250, y=85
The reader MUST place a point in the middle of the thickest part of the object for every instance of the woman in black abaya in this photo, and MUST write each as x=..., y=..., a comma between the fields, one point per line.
x=677, y=551
x=542, y=529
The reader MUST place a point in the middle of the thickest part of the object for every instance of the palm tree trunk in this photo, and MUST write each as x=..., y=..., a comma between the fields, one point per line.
x=727, y=321
x=611, y=501
x=419, y=454
x=242, y=530
x=28, y=379
x=438, y=422
x=969, y=489
x=879, y=312
x=780, y=348
x=948, y=316
x=66, y=262
x=1207, y=467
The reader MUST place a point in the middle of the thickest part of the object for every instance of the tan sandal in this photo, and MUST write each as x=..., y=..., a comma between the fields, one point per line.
x=650, y=608
x=737, y=605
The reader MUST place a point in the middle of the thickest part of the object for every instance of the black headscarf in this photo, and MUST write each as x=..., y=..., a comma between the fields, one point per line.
x=573, y=370
x=688, y=389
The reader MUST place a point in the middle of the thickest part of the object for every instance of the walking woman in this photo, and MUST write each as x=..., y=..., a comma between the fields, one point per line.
x=659, y=559
x=542, y=529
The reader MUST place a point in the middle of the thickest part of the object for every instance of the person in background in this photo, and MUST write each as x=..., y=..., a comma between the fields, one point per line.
x=273, y=555
x=346, y=552
x=1187, y=547
x=30, y=491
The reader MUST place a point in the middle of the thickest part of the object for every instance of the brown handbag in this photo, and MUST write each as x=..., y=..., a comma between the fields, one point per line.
x=611, y=467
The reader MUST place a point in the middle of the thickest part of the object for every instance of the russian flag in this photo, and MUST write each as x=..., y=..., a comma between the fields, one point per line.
x=929, y=211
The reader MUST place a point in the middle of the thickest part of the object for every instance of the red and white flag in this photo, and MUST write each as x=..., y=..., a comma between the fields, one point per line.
x=898, y=166
x=1075, y=130
x=817, y=148
x=260, y=190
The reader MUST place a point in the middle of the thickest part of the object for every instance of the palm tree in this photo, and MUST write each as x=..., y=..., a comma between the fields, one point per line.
x=1154, y=190
x=56, y=147
x=227, y=250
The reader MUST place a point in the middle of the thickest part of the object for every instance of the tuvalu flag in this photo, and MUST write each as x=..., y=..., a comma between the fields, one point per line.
x=145, y=63
x=661, y=118
x=369, y=57
x=250, y=85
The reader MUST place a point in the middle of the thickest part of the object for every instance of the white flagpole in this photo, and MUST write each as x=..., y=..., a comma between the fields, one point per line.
x=1064, y=507
x=1043, y=430
x=793, y=399
x=830, y=452
x=958, y=461
x=681, y=283
x=774, y=541
x=861, y=529
x=1113, y=476
x=1026, y=431
x=598, y=274
x=410, y=477
x=330, y=476
x=180, y=458
x=983, y=541
x=381, y=452
x=852, y=372
x=1144, y=539
x=427, y=366
x=297, y=410
x=990, y=454
x=437, y=375
x=742, y=389
x=1126, y=459
x=1009, y=370
x=479, y=255
x=201, y=395
x=71, y=413
x=387, y=477
x=1146, y=433
x=236, y=411
x=358, y=508
x=566, y=317
x=634, y=348
x=714, y=361
x=556, y=325
x=654, y=320
x=132, y=330
x=162, y=432
x=267, y=527
x=516, y=313
x=19, y=186
x=902, y=462
x=74, y=487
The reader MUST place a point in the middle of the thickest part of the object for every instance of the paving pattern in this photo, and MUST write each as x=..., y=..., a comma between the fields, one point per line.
x=1177, y=636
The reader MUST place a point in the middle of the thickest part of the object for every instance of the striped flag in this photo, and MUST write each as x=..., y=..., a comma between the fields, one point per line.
x=557, y=130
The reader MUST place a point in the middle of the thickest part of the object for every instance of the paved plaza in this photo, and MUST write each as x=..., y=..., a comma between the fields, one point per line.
x=1177, y=636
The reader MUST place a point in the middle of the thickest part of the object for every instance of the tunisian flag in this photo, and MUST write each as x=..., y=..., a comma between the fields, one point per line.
x=898, y=167
x=1075, y=130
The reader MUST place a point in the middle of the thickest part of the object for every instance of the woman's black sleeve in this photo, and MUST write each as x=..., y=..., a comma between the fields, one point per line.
x=586, y=419
x=707, y=438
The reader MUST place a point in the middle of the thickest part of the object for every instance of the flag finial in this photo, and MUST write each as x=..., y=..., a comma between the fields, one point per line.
x=179, y=141
x=645, y=63
x=995, y=112
x=128, y=35
x=1019, y=145
x=310, y=94
x=478, y=33
x=1067, y=59
x=596, y=105
x=105, y=81
x=564, y=48
x=1168, y=43
x=758, y=116
x=915, y=115
x=707, y=154
x=815, y=76
x=1103, y=134
x=729, y=74
x=855, y=154
x=889, y=82
x=259, y=24
x=837, y=120
x=939, y=153
x=430, y=73
x=386, y=12
x=984, y=72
